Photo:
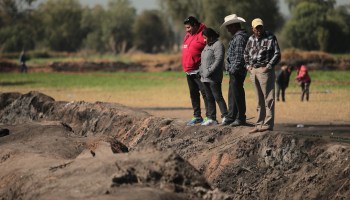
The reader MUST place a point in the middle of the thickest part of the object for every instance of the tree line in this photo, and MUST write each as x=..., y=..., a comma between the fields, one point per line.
x=66, y=25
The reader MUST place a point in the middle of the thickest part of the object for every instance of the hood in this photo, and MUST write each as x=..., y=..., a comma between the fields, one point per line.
x=201, y=28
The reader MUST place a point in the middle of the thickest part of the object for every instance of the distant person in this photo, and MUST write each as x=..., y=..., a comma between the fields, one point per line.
x=235, y=66
x=282, y=81
x=261, y=55
x=304, y=81
x=22, y=60
x=193, y=44
x=211, y=71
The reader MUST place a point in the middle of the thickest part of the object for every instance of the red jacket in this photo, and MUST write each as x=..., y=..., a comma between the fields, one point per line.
x=303, y=75
x=191, y=50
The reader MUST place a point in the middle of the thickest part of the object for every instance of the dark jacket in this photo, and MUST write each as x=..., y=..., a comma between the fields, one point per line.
x=22, y=58
x=235, y=63
x=282, y=78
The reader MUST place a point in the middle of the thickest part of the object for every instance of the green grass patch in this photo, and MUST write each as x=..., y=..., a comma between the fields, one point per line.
x=327, y=80
x=341, y=56
x=133, y=81
x=113, y=81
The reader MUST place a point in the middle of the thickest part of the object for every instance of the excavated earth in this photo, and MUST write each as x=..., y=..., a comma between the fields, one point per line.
x=80, y=150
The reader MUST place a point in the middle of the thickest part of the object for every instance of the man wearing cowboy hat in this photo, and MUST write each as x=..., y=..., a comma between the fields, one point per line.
x=261, y=55
x=235, y=66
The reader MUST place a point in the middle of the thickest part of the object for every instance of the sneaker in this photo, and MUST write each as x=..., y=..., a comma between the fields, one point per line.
x=225, y=122
x=209, y=122
x=238, y=123
x=195, y=120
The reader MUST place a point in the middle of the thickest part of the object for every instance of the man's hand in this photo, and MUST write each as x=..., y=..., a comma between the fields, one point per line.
x=250, y=68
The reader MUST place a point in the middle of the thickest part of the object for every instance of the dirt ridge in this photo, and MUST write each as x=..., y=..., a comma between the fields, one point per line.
x=270, y=165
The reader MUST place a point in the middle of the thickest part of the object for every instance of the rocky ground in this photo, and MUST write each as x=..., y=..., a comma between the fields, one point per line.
x=80, y=150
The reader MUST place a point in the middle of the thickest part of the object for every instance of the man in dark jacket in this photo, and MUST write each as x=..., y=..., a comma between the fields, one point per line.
x=282, y=81
x=22, y=60
x=235, y=66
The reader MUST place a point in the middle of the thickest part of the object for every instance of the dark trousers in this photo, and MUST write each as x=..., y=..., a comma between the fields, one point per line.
x=305, y=90
x=280, y=89
x=236, y=99
x=213, y=91
x=196, y=87
x=23, y=68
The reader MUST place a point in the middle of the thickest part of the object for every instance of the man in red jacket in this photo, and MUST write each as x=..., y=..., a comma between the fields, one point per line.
x=193, y=44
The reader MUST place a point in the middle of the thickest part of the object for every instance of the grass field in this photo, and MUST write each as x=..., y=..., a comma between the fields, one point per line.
x=329, y=98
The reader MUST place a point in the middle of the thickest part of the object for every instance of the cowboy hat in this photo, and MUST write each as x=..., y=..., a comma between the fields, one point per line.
x=232, y=19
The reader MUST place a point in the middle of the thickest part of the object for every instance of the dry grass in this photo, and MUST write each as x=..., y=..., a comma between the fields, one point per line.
x=294, y=54
x=326, y=108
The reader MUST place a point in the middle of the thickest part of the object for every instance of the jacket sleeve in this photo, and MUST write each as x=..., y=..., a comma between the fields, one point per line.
x=246, y=52
x=276, y=55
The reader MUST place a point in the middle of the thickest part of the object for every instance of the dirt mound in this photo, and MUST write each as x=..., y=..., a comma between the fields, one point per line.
x=8, y=66
x=95, y=66
x=315, y=60
x=80, y=150
x=89, y=66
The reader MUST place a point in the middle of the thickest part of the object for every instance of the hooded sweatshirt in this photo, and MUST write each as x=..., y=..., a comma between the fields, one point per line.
x=303, y=75
x=191, y=50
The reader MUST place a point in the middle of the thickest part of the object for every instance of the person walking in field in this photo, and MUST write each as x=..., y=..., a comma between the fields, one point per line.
x=211, y=71
x=304, y=81
x=235, y=66
x=261, y=55
x=22, y=61
x=193, y=44
x=282, y=81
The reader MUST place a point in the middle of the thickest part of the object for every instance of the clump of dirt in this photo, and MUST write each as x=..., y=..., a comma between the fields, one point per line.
x=98, y=150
